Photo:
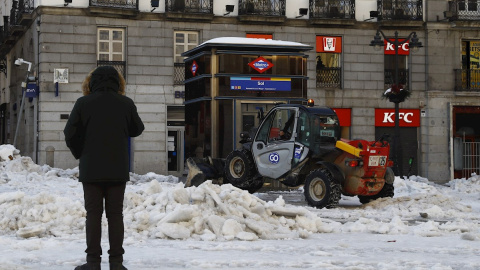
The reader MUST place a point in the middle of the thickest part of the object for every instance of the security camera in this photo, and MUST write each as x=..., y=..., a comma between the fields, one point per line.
x=19, y=62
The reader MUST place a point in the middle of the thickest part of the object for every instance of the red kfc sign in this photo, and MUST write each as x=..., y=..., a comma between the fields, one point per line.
x=329, y=44
x=407, y=118
x=403, y=49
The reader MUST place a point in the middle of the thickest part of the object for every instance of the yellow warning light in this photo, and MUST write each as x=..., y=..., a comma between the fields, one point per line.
x=310, y=103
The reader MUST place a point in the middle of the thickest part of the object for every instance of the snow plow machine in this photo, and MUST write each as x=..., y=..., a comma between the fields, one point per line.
x=300, y=145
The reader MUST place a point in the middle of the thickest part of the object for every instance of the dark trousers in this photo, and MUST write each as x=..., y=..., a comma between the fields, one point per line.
x=94, y=194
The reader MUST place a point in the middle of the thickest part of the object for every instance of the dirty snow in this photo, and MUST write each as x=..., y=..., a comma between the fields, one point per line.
x=425, y=225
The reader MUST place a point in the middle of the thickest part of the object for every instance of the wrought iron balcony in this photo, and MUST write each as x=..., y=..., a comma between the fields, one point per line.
x=390, y=77
x=262, y=7
x=120, y=66
x=179, y=73
x=329, y=77
x=463, y=10
x=189, y=6
x=467, y=80
x=126, y=4
x=405, y=10
x=340, y=9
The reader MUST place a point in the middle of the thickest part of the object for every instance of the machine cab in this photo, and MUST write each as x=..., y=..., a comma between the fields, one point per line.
x=288, y=134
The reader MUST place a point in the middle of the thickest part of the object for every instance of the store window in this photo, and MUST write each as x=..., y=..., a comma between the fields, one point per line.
x=111, y=48
x=184, y=41
x=470, y=64
x=329, y=59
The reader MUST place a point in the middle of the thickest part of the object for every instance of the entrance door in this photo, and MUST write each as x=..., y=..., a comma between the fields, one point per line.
x=175, y=152
x=274, y=145
x=407, y=149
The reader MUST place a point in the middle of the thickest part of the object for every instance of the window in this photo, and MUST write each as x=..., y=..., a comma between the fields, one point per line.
x=111, y=44
x=184, y=41
x=470, y=74
x=329, y=59
x=390, y=64
x=390, y=71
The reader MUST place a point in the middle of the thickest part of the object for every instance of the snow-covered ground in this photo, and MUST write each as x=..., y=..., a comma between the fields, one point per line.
x=425, y=225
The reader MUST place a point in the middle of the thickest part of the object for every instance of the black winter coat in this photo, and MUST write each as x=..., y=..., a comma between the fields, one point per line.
x=97, y=132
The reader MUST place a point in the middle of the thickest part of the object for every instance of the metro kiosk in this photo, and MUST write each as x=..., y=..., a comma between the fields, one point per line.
x=229, y=80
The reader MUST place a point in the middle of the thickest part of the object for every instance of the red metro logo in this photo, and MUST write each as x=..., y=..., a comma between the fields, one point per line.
x=260, y=64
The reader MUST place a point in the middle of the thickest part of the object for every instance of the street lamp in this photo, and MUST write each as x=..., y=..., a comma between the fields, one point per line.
x=414, y=45
x=18, y=63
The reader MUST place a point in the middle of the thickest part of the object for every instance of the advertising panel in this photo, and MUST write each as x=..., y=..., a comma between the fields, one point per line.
x=260, y=84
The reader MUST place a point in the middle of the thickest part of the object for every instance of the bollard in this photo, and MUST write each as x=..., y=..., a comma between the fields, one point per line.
x=50, y=153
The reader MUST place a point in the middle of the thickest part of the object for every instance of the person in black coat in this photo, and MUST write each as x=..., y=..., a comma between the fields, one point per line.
x=97, y=132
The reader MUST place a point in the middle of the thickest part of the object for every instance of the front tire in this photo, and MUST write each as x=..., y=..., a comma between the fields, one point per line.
x=240, y=170
x=321, y=190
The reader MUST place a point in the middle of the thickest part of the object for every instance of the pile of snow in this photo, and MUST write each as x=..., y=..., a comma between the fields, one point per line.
x=47, y=202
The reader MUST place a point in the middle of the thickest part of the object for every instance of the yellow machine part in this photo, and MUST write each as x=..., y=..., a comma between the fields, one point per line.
x=348, y=148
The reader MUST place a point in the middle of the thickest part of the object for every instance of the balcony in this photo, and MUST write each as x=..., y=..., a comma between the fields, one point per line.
x=189, y=9
x=467, y=80
x=400, y=10
x=120, y=66
x=329, y=77
x=463, y=10
x=332, y=11
x=272, y=11
x=114, y=8
x=179, y=73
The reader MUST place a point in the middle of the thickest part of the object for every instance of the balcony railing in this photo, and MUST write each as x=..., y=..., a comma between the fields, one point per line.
x=189, y=6
x=329, y=77
x=120, y=66
x=407, y=10
x=390, y=77
x=127, y=4
x=179, y=73
x=467, y=80
x=342, y=9
x=262, y=7
x=464, y=10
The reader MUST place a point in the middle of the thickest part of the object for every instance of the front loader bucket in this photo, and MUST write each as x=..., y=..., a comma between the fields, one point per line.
x=200, y=170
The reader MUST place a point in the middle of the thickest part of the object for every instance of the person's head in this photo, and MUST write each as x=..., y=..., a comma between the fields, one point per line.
x=104, y=77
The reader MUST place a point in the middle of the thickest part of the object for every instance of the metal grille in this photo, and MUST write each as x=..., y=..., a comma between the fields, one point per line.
x=471, y=158
x=262, y=7
x=464, y=9
x=411, y=10
x=121, y=66
x=179, y=73
x=130, y=4
x=467, y=79
x=343, y=9
x=329, y=77
x=402, y=77
x=189, y=6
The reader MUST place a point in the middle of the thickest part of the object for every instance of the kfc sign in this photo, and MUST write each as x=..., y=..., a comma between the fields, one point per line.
x=407, y=118
x=403, y=49
x=329, y=44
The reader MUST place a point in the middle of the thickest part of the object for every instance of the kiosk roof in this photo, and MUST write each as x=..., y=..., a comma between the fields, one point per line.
x=248, y=44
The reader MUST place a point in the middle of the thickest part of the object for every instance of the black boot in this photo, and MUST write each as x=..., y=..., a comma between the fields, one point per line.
x=117, y=266
x=89, y=266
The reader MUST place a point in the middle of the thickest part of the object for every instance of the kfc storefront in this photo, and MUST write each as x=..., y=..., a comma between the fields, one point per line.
x=409, y=123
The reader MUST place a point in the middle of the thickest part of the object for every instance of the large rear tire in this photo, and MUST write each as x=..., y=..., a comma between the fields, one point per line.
x=240, y=171
x=321, y=190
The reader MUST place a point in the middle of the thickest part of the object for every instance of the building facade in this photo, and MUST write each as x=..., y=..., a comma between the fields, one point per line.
x=61, y=41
